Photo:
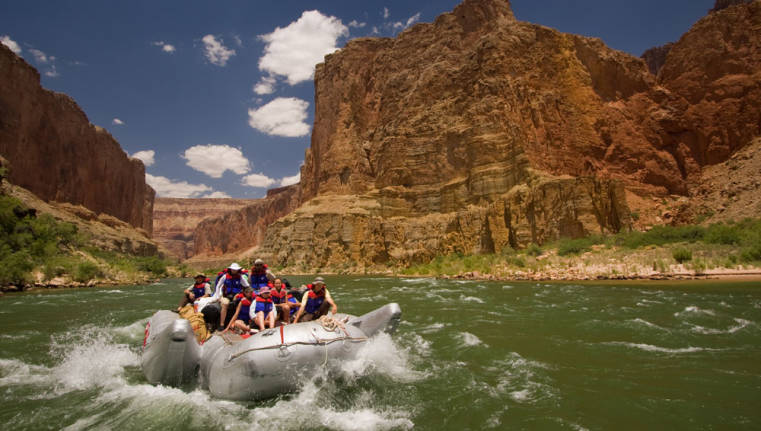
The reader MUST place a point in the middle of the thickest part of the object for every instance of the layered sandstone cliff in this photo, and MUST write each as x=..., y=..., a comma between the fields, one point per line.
x=59, y=156
x=479, y=132
x=175, y=220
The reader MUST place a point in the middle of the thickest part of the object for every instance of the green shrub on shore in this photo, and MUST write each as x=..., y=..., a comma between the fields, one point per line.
x=27, y=240
x=534, y=250
x=576, y=246
x=746, y=233
x=681, y=255
x=153, y=265
x=660, y=235
x=87, y=271
x=751, y=254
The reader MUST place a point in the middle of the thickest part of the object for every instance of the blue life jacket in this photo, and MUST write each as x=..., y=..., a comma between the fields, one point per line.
x=258, y=280
x=264, y=305
x=199, y=290
x=314, y=300
x=233, y=285
x=293, y=301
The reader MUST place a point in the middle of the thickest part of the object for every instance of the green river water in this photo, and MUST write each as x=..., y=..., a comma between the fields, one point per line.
x=467, y=355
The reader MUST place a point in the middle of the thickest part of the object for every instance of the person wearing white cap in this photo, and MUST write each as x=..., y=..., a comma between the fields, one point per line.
x=316, y=302
x=260, y=275
x=228, y=286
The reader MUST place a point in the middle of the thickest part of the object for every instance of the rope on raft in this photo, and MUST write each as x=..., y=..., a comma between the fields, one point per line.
x=327, y=322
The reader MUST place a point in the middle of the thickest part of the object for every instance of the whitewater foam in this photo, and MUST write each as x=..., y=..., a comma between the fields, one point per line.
x=523, y=380
x=14, y=372
x=89, y=358
x=470, y=340
x=659, y=349
x=381, y=356
x=649, y=324
x=693, y=309
x=471, y=299
x=434, y=327
x=741, y=324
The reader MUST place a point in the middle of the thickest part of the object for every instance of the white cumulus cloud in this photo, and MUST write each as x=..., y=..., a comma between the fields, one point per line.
x=386, y=13
x=215, y=51
x=10, y=43
x=287, y=181
x=117, y=122
x=214, y=160
x=413, y=19
x=40, y=56
x=293, y=51
x=284, y=116
x=354, y=23
x=217, y=195
x=166, y=47
x=265, y=86
x=258, y=180
x=52, y=72
x=175, y=189
x=147, y=156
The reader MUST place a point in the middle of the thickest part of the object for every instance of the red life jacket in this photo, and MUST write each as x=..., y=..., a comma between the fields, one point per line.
x=245, y=309
x=279, y=297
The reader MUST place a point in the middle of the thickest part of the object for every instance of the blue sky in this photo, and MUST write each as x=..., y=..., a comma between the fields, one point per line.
x=217, y=97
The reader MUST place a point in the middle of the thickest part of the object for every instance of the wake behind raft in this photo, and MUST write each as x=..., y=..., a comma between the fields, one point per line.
x=263, y=365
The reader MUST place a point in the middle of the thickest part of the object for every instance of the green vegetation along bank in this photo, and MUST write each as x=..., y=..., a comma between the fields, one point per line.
x=38, y=250
x=722, y=249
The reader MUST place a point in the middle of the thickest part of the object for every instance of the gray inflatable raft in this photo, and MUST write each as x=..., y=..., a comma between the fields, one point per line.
x=263, y=365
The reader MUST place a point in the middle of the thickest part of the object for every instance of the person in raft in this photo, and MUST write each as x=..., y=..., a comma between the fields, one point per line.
x=241, y=320
x=200, y=288
x=285, y=304
x=260, y=275
x=315, y=302
x=228, y=287
x=264, y=311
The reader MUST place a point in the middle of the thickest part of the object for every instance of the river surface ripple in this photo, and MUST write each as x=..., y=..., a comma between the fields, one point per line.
x=467, y=355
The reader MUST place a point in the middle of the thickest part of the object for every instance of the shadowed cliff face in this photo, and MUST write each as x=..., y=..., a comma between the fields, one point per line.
x=713, y=75
x=58, y=155
x=244, y=228
x=656, y=57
